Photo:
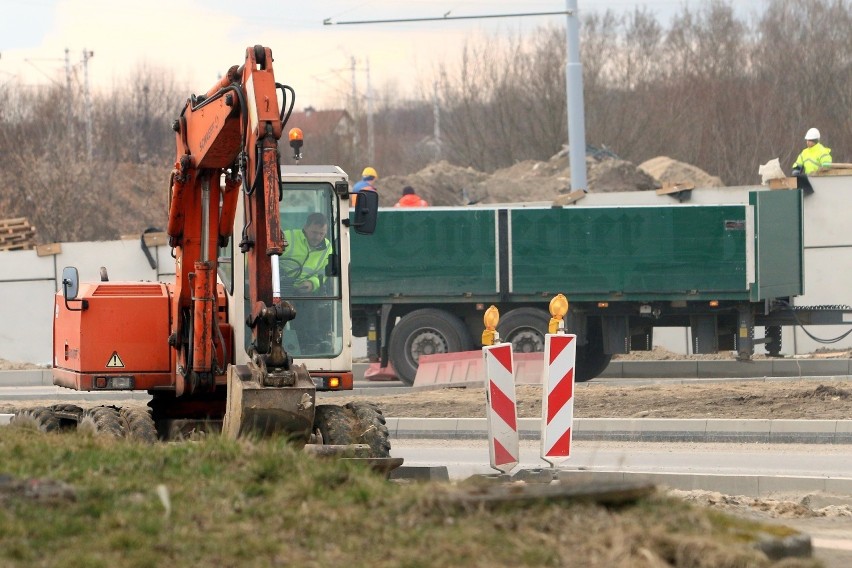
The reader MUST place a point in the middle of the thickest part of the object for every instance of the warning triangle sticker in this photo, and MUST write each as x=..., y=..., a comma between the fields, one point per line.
x=115, y=361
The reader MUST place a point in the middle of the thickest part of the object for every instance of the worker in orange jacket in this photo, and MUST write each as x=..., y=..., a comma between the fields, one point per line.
x=410, y=199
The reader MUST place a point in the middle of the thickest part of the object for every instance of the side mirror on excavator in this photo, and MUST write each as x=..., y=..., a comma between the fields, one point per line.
x=71, y=287
x=366, y=213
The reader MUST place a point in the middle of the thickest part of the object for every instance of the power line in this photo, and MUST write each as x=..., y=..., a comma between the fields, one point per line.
x=444, y=18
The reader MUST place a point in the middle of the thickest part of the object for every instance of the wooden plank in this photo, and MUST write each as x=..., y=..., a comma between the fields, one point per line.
x=151, y=239
x=836, y=172
x=783, y=183
x=156, y=239
x=49, y=249
x=486, y=492
x=16, y=246
x=568, y=198
x=669, y=188
x=14, y=221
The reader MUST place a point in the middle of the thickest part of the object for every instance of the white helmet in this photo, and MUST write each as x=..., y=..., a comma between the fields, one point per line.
x=812, y=134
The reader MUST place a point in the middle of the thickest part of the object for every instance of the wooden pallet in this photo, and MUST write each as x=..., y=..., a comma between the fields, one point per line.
x=16, y=234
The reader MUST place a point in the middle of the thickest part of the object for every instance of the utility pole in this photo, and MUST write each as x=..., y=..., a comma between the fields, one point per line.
x=87, y=101
x=371, y=143
x=574, y=91
x=356, y=138
x=436, y=112
x=69, y=99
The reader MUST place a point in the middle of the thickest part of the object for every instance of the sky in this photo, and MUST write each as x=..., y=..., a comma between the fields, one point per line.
x=197, y=40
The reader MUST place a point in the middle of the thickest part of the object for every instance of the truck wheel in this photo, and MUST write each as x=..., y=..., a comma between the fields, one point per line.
x=39, y=418
x=101, y=421
x=425, y=332
x=524, y=328
x=773, y=346
x=371, y=424
x=138, y=425
x=590, y=363
x=591, y=359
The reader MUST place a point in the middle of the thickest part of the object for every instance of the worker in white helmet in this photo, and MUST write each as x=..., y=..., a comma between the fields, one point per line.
x=814, y=157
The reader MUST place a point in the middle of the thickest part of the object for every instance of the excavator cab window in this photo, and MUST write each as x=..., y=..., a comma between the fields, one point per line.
x=225, y=265
x=309, y=269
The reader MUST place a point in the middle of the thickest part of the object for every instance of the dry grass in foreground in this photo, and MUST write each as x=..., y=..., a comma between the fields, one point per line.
x=70, y=500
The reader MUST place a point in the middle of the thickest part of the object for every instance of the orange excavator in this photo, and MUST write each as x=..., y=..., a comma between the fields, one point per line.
x=211, y=348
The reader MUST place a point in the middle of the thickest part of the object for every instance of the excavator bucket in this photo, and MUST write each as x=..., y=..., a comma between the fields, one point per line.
x=255, y=409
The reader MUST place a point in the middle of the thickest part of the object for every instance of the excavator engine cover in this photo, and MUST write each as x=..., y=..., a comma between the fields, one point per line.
x=113, y=337
x=255, y=409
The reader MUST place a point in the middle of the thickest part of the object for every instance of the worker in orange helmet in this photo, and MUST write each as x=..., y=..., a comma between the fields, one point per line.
x=410, y=199
x=367, y=183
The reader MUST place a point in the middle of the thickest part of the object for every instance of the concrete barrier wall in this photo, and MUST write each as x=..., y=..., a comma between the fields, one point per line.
x=28, y=283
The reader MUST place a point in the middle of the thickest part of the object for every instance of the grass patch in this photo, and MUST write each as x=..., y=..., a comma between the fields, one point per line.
x=261, y=503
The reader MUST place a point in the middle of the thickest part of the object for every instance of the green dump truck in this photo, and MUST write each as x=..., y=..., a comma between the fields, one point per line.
x=421, y=283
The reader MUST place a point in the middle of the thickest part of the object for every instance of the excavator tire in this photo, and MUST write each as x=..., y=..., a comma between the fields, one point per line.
x=68, y=414
x=372, y=428
x=39, y=418
x=67, y=408
x=101, y=421
x=355, y=423
x=138, y=425
x=336, y=424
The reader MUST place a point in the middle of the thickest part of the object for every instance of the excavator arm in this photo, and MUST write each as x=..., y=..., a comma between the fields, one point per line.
x=231, y=131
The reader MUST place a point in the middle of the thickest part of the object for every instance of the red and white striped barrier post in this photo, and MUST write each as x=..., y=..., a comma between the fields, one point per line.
x=557, y=408
x=503, y=443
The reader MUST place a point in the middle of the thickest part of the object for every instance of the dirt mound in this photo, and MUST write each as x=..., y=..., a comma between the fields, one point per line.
x=619, y=175
x=440, y=183
x=445, y=184
x=667, y=170
x=824, y=392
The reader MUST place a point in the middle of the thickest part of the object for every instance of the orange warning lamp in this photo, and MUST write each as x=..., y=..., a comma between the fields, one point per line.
x=558, y=308
x=491, y=318
x=296, y=140
x=334, y=382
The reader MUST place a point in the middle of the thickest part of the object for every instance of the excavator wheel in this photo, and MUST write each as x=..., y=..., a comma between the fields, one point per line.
x=101, y=421
x=138, y=425
x=39, y=418
x=335, y=424
x=68, y=414
x=355, y=423
x=372, y=428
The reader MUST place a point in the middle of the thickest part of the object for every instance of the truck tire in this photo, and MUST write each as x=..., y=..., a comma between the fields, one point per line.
x=773, y=345
x=591, y=359
x=590, y=363
x=39, y=418
x=425, y=332
x=524, y=328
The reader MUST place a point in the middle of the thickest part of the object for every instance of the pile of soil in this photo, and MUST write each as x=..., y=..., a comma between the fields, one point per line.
x=671, y=171
x=444, y=184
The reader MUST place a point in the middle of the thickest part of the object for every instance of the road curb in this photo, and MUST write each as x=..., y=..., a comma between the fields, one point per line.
x=755, y=486
x=641, y=430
